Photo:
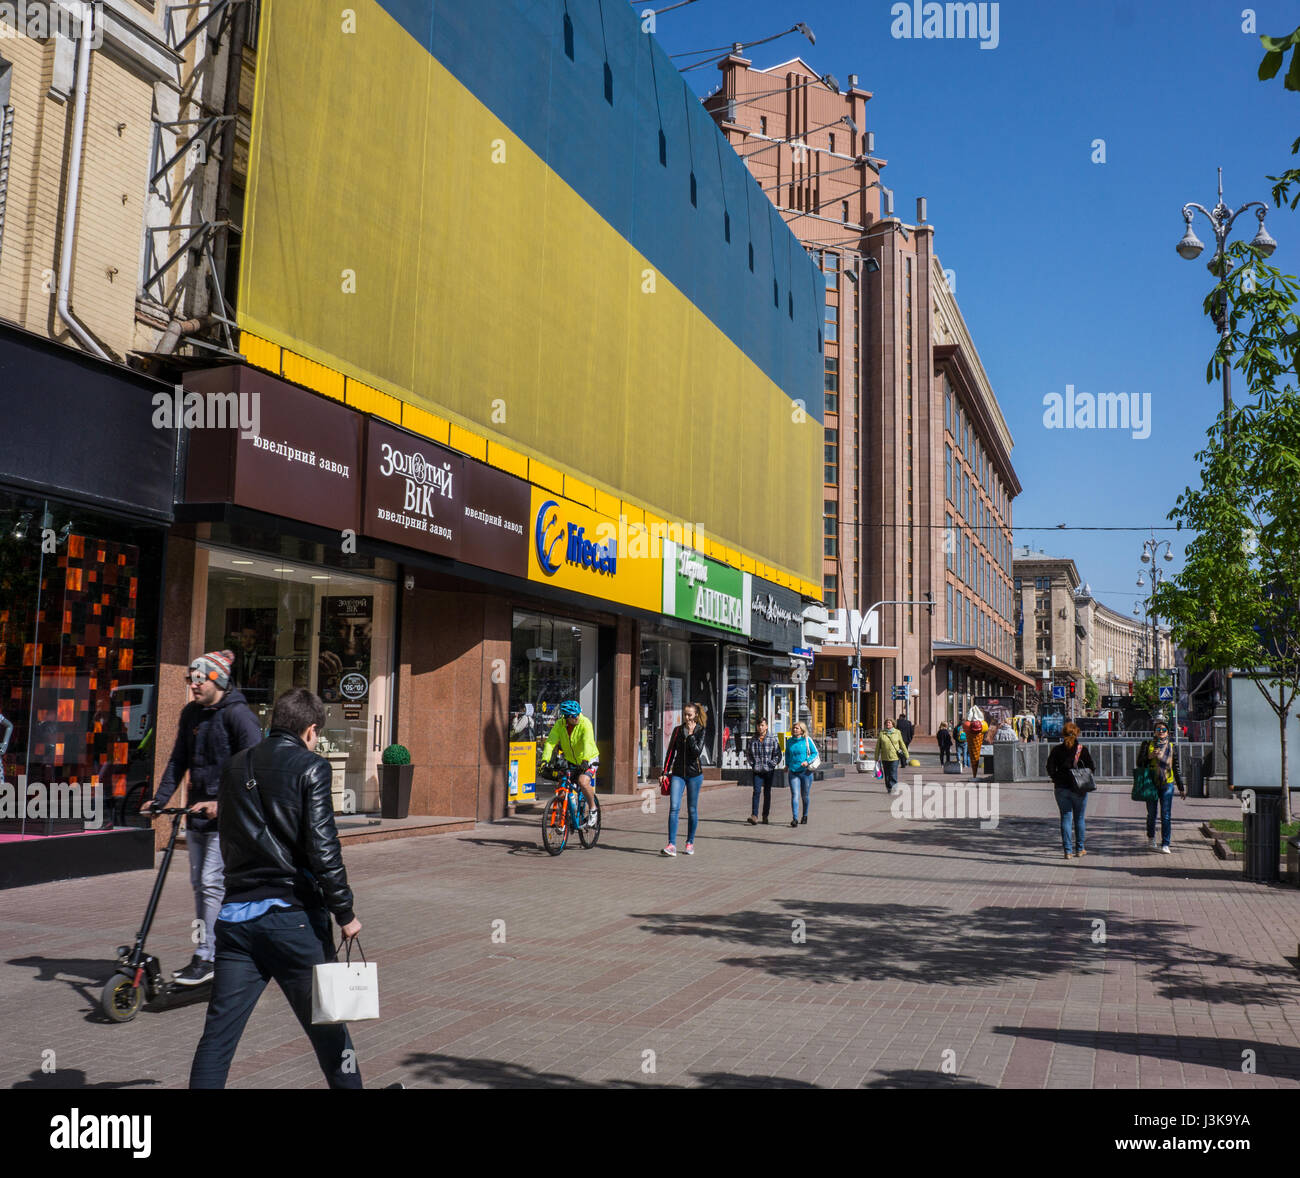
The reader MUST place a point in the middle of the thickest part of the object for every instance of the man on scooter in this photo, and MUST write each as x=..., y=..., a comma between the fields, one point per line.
x=214, y=725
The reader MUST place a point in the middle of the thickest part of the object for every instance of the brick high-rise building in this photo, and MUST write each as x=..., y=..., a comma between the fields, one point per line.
x=918, y=474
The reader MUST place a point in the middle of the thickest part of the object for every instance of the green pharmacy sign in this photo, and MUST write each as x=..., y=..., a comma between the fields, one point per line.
x=701, y=590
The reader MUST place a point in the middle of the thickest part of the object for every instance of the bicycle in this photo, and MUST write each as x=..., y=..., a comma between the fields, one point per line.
x=567, y=811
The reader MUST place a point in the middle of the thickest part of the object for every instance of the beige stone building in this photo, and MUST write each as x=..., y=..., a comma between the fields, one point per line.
x=111, y=160
x=1066, y=634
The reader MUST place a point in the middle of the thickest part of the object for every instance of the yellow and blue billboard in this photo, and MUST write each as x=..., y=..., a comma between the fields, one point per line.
x=514, y=214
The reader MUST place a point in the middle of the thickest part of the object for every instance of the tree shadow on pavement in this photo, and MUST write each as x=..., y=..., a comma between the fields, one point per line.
x=521, y=846
x=1270, y=1059
x=88, y=974
x=75, y=1078
x=439, y=1069
x=920, y=1078
x=988, y=946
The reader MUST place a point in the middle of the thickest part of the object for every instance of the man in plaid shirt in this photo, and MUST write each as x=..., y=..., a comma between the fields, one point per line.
x=764, y=756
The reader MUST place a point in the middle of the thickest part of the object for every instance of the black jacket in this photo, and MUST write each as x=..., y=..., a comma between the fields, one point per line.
x=278, y=838
x=205, y=739
x=685, y=752
x=1061, y=760
x=1145, y=758
x=907, y=728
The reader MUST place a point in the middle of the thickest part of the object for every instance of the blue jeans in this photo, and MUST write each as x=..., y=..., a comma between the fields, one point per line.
x=1073, y=806
x=800, y=785
x=691, y=787
x=891, y=774
x=963, y=755
x=1166, y=814
x=763, y=785
x=208, y=879
x=282, y=944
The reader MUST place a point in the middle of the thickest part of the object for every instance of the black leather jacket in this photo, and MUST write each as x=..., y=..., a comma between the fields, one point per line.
x=684, y=752
x=278, y=839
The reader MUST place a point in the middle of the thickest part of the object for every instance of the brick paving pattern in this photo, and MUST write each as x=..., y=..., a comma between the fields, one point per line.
x=937, y=954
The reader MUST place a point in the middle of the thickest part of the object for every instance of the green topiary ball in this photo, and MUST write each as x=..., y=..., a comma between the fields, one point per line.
x=396, y=754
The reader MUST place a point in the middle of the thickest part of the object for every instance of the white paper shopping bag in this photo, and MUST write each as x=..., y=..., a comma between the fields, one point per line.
x=344, y=991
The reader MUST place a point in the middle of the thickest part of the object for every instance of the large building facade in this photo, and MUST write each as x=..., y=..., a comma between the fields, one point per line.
x=472, y=480
x=917, y=475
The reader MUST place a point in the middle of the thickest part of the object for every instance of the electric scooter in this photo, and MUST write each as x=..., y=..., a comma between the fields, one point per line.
x=138, y=978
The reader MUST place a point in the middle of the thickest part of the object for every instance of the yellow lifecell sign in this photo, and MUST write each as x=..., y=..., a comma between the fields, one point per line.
x=583, y=551
x=523, y=771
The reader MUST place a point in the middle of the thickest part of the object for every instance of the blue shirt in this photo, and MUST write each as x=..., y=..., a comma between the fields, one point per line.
x=242, y=913
x=797, y=752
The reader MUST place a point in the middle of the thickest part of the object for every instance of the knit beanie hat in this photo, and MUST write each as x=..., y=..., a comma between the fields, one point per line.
x=215, y=665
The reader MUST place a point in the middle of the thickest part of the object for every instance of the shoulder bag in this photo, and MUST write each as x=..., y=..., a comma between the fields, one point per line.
x=1082, y=780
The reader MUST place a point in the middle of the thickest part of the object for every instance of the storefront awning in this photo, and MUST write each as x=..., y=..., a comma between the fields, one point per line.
x=978, y=660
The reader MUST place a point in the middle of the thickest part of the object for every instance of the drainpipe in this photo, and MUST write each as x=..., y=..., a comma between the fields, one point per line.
x=172, y=336
x=74, y=187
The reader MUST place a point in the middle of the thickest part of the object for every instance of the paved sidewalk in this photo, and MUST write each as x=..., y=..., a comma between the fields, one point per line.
x=929, y=944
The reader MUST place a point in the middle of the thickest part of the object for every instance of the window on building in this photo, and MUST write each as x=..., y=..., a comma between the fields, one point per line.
x=844, y=211
x=762, y=124
x=831, y=266
x=948, y=616
x=830, y=527
x=832, y=384
x=832, y=140
x=832, y=322
x=831, y=590
x=831, y=457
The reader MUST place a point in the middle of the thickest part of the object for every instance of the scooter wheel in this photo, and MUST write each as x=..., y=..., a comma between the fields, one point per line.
x=121, y=999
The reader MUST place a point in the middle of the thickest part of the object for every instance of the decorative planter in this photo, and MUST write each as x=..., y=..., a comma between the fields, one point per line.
x=395, y=790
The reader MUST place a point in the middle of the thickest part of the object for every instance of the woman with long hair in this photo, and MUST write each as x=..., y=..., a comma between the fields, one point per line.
x=684, y=766
x=1072, y=804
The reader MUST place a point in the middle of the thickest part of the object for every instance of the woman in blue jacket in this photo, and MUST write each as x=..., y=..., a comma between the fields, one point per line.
x=799, y=755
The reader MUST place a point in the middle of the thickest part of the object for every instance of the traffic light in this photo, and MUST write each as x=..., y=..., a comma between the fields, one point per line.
x=1071, y=688
x=930, y=598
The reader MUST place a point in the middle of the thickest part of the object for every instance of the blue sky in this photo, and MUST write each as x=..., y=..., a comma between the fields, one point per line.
x=1066, y=270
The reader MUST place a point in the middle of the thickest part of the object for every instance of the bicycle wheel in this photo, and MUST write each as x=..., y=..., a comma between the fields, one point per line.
x=589, y=834
x=555, y=827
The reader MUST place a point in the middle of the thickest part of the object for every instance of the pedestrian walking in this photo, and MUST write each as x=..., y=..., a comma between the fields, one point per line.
x=800, y=753
x=906, y=729
x=961, y=742
x=891, y=748
x=684, y=765
x=284, y=877
x=1072, y=804
x=764, y=757
x=1158, y=754
x=216, y=724
x=944, y=737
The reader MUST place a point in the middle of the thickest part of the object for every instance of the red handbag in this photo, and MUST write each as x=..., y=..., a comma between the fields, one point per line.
x=666, y=781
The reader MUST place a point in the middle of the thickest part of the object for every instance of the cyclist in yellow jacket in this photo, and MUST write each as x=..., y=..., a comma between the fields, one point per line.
x=573, y=734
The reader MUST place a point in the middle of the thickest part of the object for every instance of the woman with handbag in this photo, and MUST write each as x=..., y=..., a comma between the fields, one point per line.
x=764, y=756
x=891, y=751
x=1066, y=765
x=801, y=758
x=684, y=774
x=1158, y=756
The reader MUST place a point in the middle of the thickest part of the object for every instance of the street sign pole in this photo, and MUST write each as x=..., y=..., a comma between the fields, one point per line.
x=857, y=655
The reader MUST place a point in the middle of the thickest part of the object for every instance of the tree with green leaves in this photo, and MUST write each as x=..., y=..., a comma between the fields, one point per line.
x=1146, y=694
x=1091, y=694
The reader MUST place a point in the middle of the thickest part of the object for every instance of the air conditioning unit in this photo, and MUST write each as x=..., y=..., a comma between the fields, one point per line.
x=539, y=654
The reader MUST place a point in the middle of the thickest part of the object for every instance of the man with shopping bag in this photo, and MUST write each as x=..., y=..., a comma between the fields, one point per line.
x=284, y=878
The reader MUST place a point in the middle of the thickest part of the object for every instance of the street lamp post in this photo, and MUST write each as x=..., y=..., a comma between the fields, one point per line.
x=857, y=658
x=1221, y=218
x=1150, y=550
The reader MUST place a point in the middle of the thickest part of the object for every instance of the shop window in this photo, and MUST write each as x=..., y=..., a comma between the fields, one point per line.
x=551, y=659
x=292, y=624
x=78, y=661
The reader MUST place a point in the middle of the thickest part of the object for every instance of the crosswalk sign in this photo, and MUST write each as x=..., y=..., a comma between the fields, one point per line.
x=1166, y=693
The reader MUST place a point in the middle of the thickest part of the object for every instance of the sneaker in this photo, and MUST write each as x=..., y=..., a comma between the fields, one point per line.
x=689, y=848
x=1068, y=855
x=1155, y=846
x=593, y=818
x=764, y=821
x=1080, y=853
x=669, y=850
x=195, y=974
x=1166, y=850
x=794, y=821
x=804, y=820
x=753, y=821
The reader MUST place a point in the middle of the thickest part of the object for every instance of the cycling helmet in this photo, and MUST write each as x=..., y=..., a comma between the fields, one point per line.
x=570, y=707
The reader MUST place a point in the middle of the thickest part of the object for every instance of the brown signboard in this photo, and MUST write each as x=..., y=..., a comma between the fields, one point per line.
x=414, y=492
x=261, y=443
x=497, y=508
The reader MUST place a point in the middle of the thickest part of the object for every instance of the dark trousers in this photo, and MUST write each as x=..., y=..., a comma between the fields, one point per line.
x=282, y=944
x=945, y=750
x=762, y=781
